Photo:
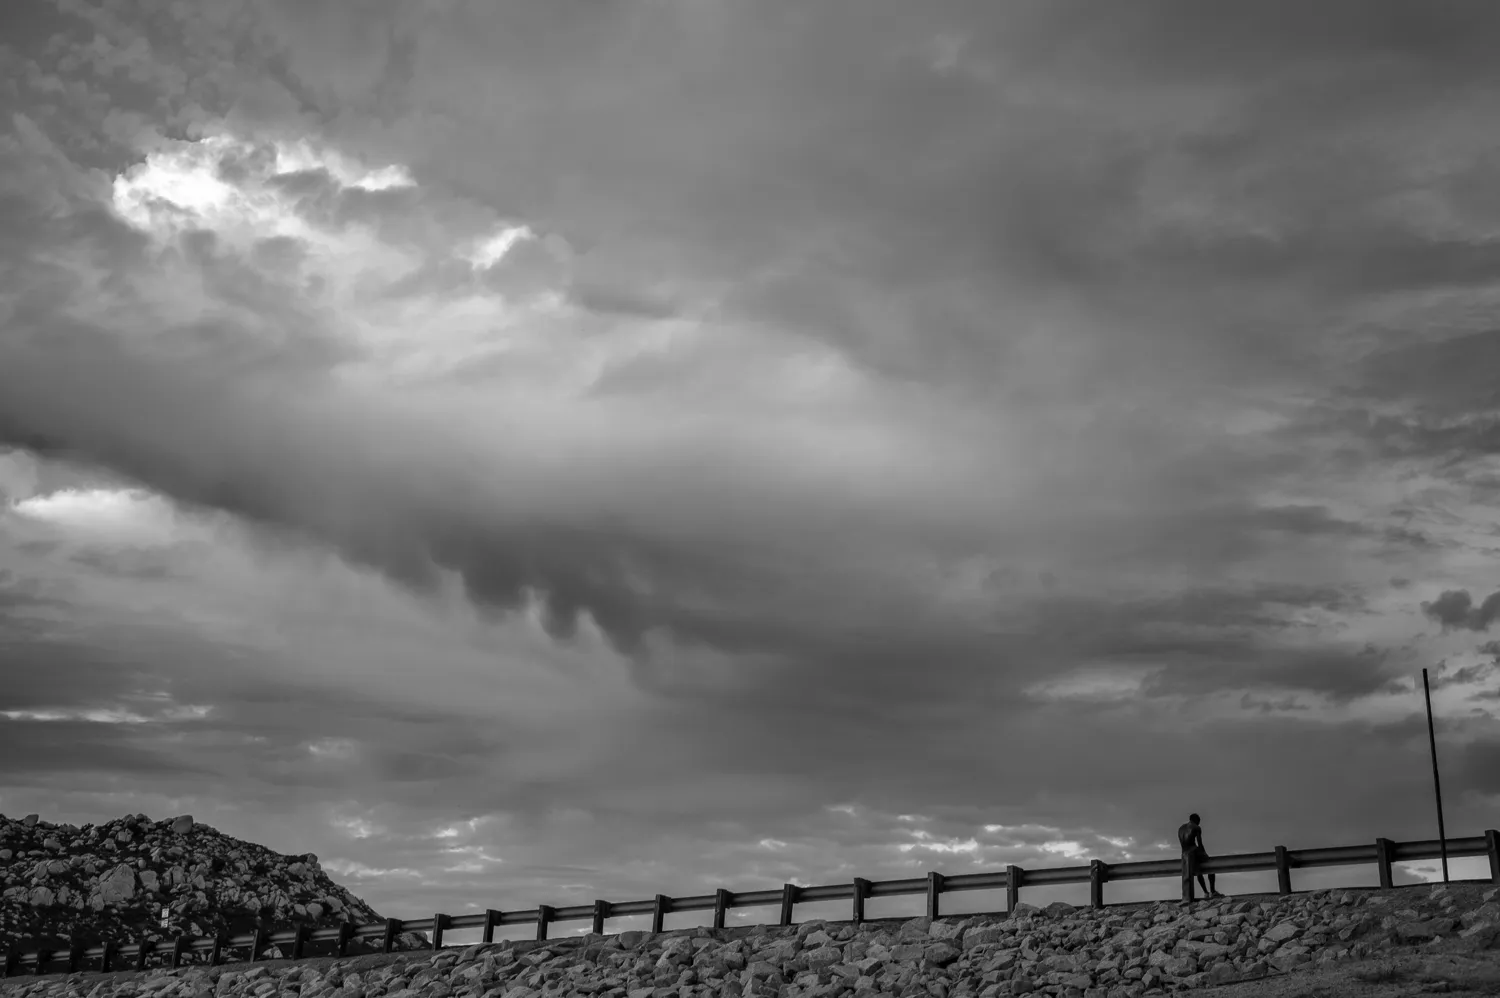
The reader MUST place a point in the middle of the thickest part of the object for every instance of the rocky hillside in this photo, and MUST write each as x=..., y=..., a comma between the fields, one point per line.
x=110, y=882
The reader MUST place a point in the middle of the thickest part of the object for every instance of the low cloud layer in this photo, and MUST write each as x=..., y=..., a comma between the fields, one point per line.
x=600, y=443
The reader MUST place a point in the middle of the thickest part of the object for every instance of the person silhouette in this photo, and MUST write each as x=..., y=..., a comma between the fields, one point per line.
x=1190, y=836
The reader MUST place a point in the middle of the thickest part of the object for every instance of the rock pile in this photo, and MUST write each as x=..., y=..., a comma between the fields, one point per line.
x=109, y=883
x=1059, y=950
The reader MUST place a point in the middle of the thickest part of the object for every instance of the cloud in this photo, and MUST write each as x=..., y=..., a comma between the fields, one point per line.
x=1455, y=609
x=1476, y=674
x=623, y=301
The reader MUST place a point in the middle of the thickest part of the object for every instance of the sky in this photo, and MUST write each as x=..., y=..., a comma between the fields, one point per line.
x=529, y=453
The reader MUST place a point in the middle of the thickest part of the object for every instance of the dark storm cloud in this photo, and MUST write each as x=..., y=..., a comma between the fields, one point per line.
x=1042, y=225
x=412, y=530
x=577, y=568
x=1455, y=609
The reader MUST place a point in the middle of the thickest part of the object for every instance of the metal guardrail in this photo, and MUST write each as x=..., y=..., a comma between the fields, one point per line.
x=1382, y=852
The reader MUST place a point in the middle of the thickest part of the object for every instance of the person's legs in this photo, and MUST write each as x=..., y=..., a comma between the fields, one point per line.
x=1193, y=872
x=1199, y=855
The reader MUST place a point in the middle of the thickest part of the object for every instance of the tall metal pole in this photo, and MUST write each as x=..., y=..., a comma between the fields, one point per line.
x=1437, y=788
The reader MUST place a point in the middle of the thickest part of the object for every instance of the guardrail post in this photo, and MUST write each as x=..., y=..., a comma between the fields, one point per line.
x=1385, y=851
x=12, y=960
x=439, y=923
x=1492, y=846
x=659, y=912
x=1096, y=883
x=299, y=941
x=43, y=957
x=1187, y=879
x=544, y=913
x=1013, y=877
x=722, y=898
x=861, y=891
x=341, y=944
x=143, y=952
x=221, y=943
x=179, y=945
x=392, y=927
x=111, y=949
x=934, y=888
x=788, y=898
x=491, y=919
x=75, y=955
x=601, y=912
x=1283, y=871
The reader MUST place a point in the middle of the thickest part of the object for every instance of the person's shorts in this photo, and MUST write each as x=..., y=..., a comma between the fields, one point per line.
x=1195, y=860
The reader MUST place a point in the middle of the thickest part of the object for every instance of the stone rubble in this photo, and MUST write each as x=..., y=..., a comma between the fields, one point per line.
x=1060, y=950
x=109, y=883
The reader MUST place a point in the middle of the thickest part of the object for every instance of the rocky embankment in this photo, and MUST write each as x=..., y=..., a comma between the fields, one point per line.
x=109, y=883
x=1060, y=950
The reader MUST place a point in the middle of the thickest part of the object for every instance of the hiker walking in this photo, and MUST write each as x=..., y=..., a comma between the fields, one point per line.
x=1190, y=836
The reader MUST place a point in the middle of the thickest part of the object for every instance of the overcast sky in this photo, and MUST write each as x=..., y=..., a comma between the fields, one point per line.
x=536, y=452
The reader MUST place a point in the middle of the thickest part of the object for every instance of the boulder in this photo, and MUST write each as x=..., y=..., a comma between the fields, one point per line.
x=985, y=935
x=940, y=954
x=1281, y=932
x=947, y=931
x=823, y=956
x=118, y=885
